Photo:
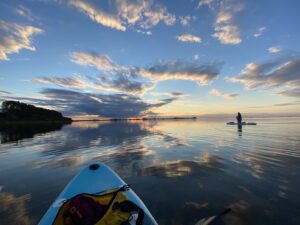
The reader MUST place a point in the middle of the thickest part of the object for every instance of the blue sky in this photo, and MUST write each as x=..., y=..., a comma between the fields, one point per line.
x=127, y=58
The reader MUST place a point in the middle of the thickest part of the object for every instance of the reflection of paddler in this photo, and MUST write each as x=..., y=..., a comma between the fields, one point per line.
x=239, y=118
x=240, y=129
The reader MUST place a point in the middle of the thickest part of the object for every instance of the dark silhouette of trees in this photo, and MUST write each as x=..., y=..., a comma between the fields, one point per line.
x=18, y=111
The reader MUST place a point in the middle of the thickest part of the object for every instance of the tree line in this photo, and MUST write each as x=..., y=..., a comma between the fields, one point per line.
x=18, y=111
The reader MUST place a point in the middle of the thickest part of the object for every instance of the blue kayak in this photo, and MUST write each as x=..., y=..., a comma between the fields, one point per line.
x=97, y=188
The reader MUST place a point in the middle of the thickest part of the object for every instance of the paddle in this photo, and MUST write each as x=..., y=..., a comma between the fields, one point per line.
x=209, y=220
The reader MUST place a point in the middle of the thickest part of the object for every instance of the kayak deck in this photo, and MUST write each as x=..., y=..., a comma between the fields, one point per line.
x=94, y=179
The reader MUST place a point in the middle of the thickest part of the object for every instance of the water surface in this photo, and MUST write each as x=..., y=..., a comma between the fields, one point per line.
x=182, y=170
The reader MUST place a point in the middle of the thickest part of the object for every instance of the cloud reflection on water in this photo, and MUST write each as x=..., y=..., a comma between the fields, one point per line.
x=14, y=209
x=183, y=170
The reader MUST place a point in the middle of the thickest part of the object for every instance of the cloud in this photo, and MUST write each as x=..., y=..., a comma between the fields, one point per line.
x=25, y=12
x=289, y=103
x=218, y=93
x=226, y=30
x=154, y=17
x=119, y=83
x=138, y=14
x=129, y=78
x=15, y=208
x=97, y=15
x=5, y=92
x=274, y=49
x=101, y=62
x=228, y=34
x=208, y=3
x=172, y=94
x=188, y=38
x=186, y=20
x=15, y=37
x=279, y=73
x=182, y=70
x=114, y=105
x=178, y=94
x=72, y=102
x=259, y=32
x=145, y=13
x=70, y=82
x=122, y=84
x=295, y=92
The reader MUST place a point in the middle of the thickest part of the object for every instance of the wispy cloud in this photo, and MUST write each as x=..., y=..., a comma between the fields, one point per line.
x=15, y=37
x=193, y=70
x=226, y=31
x=203, y=74
x=186, y=20
x=157, y=15
x=140, y=15
x=122, y=83
x=26, y=13
x=208, y=3
x=97, y=15
x=228, y=34
x=274, y=49
x=259, y=32
x=69, y=82
x=101, y=62
x=171, y=94
x=188, y=38
x=219, y=93
x=118, y=83
x=279, y=73
x=294, y=92
x=5, y=92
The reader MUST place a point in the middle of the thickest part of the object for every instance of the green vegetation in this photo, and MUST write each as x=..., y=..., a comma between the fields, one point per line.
x=13, y=111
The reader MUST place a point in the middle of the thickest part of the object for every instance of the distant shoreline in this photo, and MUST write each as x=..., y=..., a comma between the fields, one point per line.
x=138, y=119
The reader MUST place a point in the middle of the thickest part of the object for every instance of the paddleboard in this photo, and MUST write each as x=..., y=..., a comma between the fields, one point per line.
x=94, y=179
x=243, y=123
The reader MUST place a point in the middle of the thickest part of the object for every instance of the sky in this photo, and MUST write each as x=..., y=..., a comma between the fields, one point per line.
x=132, y=58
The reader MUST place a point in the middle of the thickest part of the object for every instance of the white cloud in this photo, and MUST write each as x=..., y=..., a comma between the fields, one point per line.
x=228, y=34
x=208, y=3
x=139, y=14
x=226, y=30
x=155, y=16
x=274, y=49
x=259, y=32
x=145, y=13
x=97, y=15
x=188, y=38
x=101, y=62
x=279, y=73
x=15, y=37
x=131, y=11
x=218, y=93
x=186, y=20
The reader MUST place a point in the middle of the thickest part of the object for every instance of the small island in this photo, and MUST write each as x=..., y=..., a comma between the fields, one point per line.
x=18, y=112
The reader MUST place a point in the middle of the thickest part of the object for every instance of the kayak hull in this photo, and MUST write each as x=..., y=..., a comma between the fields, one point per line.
x=93, y=181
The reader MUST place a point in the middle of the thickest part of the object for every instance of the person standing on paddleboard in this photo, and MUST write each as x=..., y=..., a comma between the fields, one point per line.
x=239, y=118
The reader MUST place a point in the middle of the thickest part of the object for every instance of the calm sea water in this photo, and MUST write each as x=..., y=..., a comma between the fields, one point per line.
x=182, y=170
